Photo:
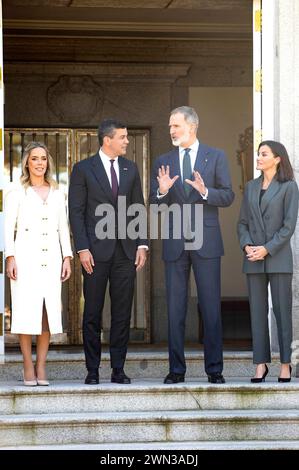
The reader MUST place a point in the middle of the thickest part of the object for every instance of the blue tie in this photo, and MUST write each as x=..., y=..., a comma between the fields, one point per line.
x=114, y=182
x=187, y=171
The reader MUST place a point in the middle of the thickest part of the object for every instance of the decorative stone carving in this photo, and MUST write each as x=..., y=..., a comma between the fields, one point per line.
x=75, y=99
x=161, y=4
x=244, y=155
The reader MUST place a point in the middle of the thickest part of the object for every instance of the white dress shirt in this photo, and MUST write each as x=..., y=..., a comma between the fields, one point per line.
x=193, y=154
x=107, y=165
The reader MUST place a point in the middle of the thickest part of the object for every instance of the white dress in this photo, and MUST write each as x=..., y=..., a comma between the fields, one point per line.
x=36, y=233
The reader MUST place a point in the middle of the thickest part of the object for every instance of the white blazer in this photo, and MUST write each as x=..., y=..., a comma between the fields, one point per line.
x=36, y=233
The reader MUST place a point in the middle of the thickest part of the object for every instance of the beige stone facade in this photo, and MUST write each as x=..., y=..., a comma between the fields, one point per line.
x=69, y=67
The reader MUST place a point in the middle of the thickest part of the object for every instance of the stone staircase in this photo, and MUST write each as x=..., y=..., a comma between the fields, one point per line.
x=147, y=414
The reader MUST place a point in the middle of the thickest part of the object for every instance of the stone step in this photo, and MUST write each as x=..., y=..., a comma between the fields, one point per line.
x=147, y=395
x=175, y=445
x=149, y=426
x=139, y=364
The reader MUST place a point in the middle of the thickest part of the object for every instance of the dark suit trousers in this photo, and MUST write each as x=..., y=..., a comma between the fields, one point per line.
x=281, y=293
x=207, y=277
x=121, y=272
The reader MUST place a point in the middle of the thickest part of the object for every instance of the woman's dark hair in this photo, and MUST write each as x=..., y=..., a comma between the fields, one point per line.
x=108, y=128
x=284, y=168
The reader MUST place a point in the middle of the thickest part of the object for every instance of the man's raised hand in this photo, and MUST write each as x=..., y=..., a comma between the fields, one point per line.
x=164, y=180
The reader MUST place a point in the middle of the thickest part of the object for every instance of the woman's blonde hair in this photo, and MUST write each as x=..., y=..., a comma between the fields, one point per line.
x=25, y=176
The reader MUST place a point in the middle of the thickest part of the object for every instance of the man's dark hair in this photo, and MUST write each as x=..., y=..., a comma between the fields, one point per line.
x=108, y=128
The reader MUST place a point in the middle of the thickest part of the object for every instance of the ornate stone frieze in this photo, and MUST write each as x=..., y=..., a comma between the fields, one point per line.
x=164, y=4
x=120, y=72
x=244, y=155
x=75, y=99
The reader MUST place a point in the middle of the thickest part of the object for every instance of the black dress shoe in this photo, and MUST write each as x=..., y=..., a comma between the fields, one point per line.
x=92, y=377
x=173, y=378
x=257, y=380
x=119, y=377
x=216, y=378
x=286, y=379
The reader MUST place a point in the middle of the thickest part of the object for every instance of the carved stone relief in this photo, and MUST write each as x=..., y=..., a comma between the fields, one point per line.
x=245, y=155
x=75, y=99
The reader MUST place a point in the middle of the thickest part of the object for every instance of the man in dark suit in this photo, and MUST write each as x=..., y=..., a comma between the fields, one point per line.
x=192, y=174
x=96, y=185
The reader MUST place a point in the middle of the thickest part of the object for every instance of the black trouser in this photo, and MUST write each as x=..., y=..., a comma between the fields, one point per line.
x=121, y=272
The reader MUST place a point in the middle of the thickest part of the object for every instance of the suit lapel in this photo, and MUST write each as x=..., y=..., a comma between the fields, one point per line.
x=201, y=160
x=200, y=166
x=269, y=194
x=255, y=199
x=175, y=169
x=123, y=176
x=101, y=176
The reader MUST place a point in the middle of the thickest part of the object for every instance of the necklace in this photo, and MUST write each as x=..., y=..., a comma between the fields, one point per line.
x=38, y=185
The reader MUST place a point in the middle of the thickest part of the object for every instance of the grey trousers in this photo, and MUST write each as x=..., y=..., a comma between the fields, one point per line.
x=281, y=292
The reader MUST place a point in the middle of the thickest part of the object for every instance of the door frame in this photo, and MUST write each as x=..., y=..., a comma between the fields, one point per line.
x=74, y=311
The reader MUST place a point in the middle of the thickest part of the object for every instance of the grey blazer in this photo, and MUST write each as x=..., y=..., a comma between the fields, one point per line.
x=270, y=224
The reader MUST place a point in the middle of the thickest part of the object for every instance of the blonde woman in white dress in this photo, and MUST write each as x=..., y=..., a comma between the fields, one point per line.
x=38, y=254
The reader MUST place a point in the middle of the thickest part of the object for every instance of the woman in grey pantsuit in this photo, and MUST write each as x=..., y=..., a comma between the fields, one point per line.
x=266, y=224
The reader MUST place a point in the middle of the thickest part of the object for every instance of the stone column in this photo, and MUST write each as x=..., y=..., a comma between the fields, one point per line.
x=288, y=116
x=286, y=106
x=1, y=201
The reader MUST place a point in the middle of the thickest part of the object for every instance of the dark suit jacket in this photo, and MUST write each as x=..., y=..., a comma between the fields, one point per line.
x=212, y=164
x=270, y=224
x=89, y=187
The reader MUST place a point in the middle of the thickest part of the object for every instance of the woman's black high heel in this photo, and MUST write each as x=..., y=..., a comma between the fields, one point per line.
x=287, y=379
x=257, y=380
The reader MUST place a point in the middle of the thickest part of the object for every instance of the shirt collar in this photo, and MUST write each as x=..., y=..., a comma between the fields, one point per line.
x=193, y=147
x=105, y=157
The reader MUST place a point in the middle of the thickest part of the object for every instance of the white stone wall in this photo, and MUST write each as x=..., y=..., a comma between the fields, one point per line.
x=224, y=114
x=286, y=126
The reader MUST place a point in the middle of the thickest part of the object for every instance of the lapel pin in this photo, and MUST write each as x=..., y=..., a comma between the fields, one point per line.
x=125, y=169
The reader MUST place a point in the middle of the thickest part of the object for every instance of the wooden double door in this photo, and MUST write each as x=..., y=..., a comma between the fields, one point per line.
x=68, y=146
